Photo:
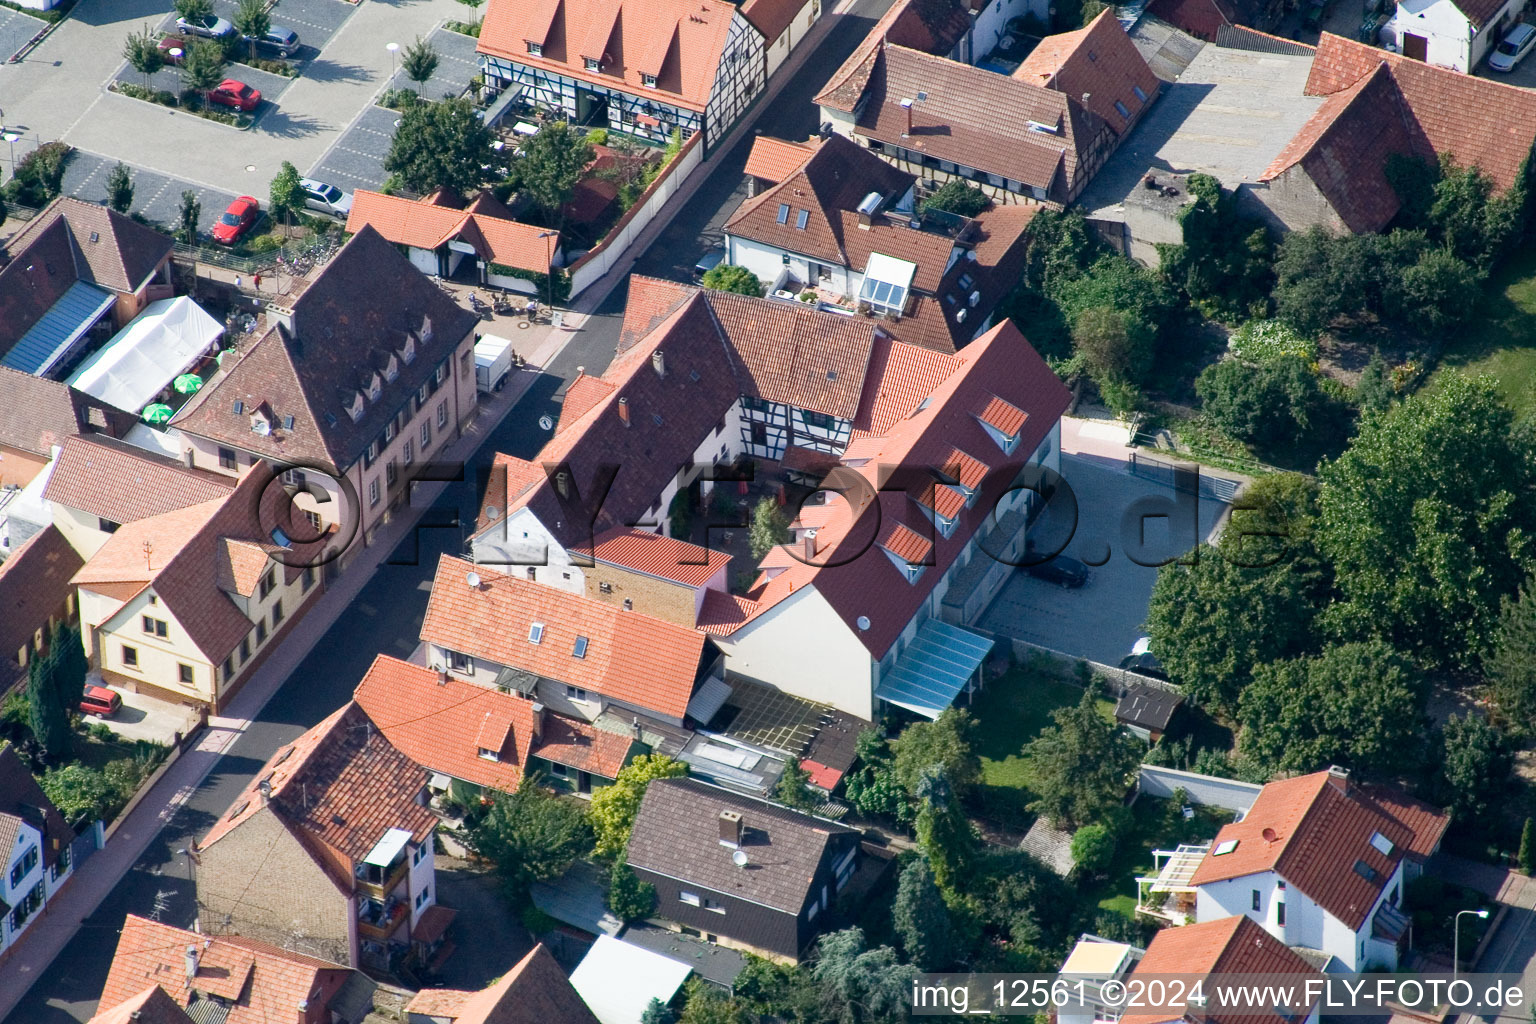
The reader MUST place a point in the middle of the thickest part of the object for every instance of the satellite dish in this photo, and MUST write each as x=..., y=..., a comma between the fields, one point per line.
x=862, y=622
x=1270, y=835
x=473, y=579
x=491, y=512
x=739, y=858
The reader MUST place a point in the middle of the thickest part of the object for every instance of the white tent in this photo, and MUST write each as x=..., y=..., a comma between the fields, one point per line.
x=143, y=358
x=617, y=981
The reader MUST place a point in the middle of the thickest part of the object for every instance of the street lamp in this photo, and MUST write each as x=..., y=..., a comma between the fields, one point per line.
x=11, y=138
x=1456, y=941
x=393, y=48
x=549, y=268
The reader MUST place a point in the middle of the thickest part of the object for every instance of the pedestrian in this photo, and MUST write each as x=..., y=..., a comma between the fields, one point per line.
x=258, y=282
x=237, y=282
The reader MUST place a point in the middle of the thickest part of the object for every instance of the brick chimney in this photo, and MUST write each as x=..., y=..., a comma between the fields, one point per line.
x=538, y=721
x=1338, y=778
x=730, y=829
x=624, y=411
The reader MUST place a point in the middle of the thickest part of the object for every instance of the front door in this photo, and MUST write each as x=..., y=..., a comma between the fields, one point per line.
x=1415, y=47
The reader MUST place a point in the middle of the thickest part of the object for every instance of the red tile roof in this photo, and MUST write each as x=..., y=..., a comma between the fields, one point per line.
x=35, y=582
x=122, y=483
x=343, y=785
x=1475, y=120
x=107, y=248
x=1098, y=62
x=36, y=414
x=152, y=1006
x=773, y=160
x=1002, y=414
x=536, y=991
x=443, y=723
x=932, y=28
x=680, y=42
x=1312, y=833
x=1427, y=824
x=650, y=553
x=259, y=982
x=1479, y=12
x=1231, y=945
x=584, y=392
x=427, y=225
x=630, y=657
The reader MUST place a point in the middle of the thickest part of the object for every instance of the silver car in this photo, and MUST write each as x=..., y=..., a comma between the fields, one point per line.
x=325, y=198
x=1513, y=49
x=211, y=27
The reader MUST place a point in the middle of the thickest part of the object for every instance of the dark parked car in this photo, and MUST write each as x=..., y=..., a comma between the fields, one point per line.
x=1061, y=570
x=237, y=220
x=279, y=40
x=98, y=700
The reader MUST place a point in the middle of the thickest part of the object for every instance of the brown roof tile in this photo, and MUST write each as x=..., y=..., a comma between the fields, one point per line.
x=677, y=834
x=351, y=319
x=341, y=784
x=583, y=393
x=680, y=41
x=771, y=17
x=1100, y=62
x=36, y=414
x=536, y=991
x=924, y=26
x=629, y=656
x=773, y=159
x=122, y=483
x=1230, y=945
x=427, y=224
x=109, y=249
x=152, y=1006
x=257, y=982
x=35, y=582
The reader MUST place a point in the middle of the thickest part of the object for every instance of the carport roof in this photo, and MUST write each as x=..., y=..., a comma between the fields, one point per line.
x=934, y=670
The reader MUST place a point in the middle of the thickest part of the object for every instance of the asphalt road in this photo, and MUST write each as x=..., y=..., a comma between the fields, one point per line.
x=386, y=617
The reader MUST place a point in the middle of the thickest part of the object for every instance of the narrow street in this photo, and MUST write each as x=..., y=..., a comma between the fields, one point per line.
x=387, y=615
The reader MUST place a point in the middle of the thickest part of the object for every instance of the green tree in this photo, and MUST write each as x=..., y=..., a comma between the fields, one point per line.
x=1116, y=350
x=1468, y=217
x=1317, y=279
x=1437, y=293
x=957, y=196
x=1272, y=405
x=552, y=164
x=191, y=209
x=81, y=793
x=253, y=21
x=727, y=277
x=1510, y=666
x=285, y=195
x=1250, y=599
x=142, y=51
x=119, y=188
x=1426, y=522
x=1475, y=765
x=202, y=67
x=921, y=919
x=784, y=991
x=1374, y=391
x=1357, y=704
x=708, y=1005
x=1093, y=849
x=531, y=835
x=1528, y=848
x=768, y=528
x=872, y=785
x=1082, y=765
x=474, y=5
x=49, y=714
x=945, y=742
x=657, y=1012
x=419, y=62
x=440, y=145
x=613, y=808
x=1225, y=261
x=628, y=897
x=195, y=11
x=793, y=787
x=71, y=666
x=859, y=985
x=944, y=834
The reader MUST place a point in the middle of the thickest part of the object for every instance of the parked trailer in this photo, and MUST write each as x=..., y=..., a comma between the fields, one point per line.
x=493, y=362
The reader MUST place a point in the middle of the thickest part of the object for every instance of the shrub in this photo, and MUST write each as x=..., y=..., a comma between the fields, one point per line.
x=728, y=277
x=1270, y=405
x=598, y=136
x=1265, y=341
x=263, y=244
x=958, y=197
x=38, y=175
x=101, y=731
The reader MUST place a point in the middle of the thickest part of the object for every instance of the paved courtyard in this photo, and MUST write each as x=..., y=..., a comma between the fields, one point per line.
x=1103, y=619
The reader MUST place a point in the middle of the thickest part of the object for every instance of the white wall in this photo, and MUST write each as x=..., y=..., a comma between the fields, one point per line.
x=792, y=35
x=82, y=530
x=28, y=838
x=802, y=646
x=421, y=878
x=519, y=543
x=1439, y=21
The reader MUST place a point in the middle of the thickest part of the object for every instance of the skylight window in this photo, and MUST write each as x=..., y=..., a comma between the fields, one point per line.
x=536, y=633
x=783, y=217
x=1367, y=872
x=1224, y=847
x=1140, y=95
x=802, y=218
x=1122, y=110
x=1382, y=844
x=580, y=650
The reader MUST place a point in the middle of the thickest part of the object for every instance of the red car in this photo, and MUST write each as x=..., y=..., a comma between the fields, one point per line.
x=236, y=94
x=176, y=43
x=98, y=700
x=237, y=220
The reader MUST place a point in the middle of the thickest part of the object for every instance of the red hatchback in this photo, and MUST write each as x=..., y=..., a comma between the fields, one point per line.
x=98, y=700
x=176, y=43
x=237, y=220
x=236, y=94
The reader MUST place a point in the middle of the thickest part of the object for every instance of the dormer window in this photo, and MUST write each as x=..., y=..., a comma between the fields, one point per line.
x=375, y=388
x=487, y=754
x=649, y=81
x=408, y=350
x=392, y=371
x=592, y=63
x=356, y=410
x=535, y=49
x=261, y=425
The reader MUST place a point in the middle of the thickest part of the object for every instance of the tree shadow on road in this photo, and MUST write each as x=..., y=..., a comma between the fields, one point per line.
x=323, y=70
x=281, y=124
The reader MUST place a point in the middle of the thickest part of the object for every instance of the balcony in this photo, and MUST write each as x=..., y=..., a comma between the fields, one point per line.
x=379, y=920
x=1168, y=895
x=379, y=882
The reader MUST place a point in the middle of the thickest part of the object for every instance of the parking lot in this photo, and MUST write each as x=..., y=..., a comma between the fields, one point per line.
x=1101, y=620
x=15, y=29
x=357, y=158
x=169, y=78
x=157, y=196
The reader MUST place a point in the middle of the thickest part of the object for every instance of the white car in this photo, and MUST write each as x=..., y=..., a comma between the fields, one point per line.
x=1512, y=50
x=325, y=198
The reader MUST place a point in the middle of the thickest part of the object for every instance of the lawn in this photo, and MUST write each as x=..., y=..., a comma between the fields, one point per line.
x=1009, y=713
x=1155, y=825
x=1502, y=343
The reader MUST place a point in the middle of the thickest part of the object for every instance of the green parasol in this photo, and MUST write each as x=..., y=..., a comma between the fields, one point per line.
x=157, y=413
x=222, y=354
x=187, y=383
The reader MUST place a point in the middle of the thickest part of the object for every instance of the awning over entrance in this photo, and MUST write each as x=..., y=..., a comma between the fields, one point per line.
x=933, y=671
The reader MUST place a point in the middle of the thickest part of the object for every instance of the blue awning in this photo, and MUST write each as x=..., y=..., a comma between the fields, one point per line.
x=934, y=669
x=66, y=320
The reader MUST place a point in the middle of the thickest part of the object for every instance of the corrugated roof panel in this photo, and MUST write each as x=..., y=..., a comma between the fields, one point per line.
x=48, y=340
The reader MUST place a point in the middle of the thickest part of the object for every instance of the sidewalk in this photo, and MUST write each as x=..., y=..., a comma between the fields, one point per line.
x=132, y=835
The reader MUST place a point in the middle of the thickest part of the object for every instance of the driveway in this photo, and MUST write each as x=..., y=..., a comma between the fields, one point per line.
x=142, y=717
x=1102, y=620
x=488, y=937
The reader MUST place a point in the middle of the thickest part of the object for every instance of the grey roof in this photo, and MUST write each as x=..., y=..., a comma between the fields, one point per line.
x=677, y=834
x=22, y=797
x=1148, y=706
x=714, y=963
